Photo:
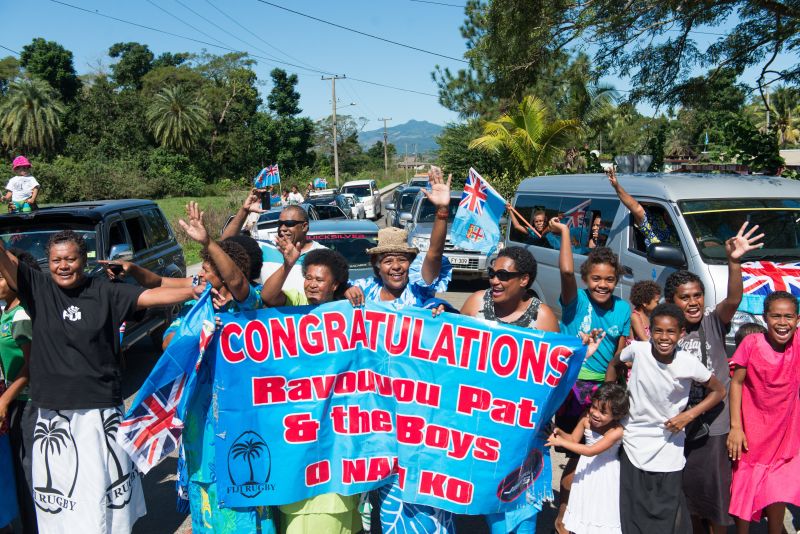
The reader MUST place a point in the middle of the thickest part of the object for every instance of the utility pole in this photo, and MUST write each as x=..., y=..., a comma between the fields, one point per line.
x=335, y=144
x=385, y=148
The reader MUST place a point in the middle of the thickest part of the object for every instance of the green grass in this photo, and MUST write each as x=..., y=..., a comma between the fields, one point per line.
x=217, y=210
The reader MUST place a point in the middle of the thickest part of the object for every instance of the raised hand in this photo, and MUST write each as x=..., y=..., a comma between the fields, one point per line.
x=611, y=172
x=439, y=194
x=592, y=340
x=252, y=203
x=743, y=242
x=355, y=295
x=289, y=249
x=555, y=225
x=115, y=268
x=195, y=228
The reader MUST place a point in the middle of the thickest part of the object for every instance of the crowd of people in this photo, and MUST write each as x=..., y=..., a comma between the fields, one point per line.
x=662, y=432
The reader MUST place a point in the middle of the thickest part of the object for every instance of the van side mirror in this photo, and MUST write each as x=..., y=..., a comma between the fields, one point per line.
x=120, y=252
x=405, y=217
x=390, y=206
x=664, y=254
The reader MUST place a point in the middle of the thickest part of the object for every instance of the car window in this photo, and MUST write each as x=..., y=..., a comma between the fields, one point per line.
x=34, y=238
x=330, y=212
x=135, y=228
x=157, y=231
x=352, y=245
x=535, y=209
x=660, y=220
x=358, y=190
x=406, y=201
x=427, y=211
x=116, y=235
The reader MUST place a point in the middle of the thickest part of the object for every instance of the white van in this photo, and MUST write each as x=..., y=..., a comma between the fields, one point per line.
x=368, y=193
x=703, y=210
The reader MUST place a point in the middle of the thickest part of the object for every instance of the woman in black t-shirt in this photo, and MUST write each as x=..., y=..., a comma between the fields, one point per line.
x=82, y=480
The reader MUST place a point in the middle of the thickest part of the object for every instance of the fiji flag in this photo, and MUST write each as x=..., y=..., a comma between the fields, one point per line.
x=152, y=426
x=477, y=222
x=268, y=176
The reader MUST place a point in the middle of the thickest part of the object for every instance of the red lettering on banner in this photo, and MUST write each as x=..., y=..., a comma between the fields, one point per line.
x=257, y=352
x=269, y=390
x=401, y=474
x=472, y=398
x=445, y=346
x=559, y=361
x=229, y=331
x=366, y=381
x=310, y=340
x=507, y=412
x=356, y=470
x=345, y=383
x=379, y=468
x=416, y=339
x=533, y=361
x=300, y=390
x=406, y=391
x=284, y=340
x=323, y=385
x=462, y=441
x=409, y=429
x=445, y=487
x=396, y=349
x=504, y=411
x=318, y=473
x=374, y=318
x=354, y=421
x=358, y=333
x=384, y=384
x=486, y=449
x=483, y=351
x=469, y=335
x=500, y=368
x=403, y=389
x=300, y=428
x=335, y=324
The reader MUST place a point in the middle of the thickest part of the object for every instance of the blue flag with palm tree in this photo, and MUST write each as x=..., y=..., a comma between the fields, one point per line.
x=152, y=426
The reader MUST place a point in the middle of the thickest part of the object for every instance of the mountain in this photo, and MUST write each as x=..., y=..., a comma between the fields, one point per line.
x=420, y=133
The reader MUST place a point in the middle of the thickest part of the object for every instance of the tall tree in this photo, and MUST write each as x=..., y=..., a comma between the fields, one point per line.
x=283, y=100
x=177, y=118
x=527, y=137
x=9, y=69
x=135, y=60
x=29, y=117
x=51, y=62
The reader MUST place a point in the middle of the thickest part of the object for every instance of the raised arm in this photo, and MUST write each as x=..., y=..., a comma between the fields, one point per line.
x=735, y=248
x=631, y=203
x=165, y=296
x=569, y=287
x=235, y=280
x=251, y=204
x=272, y=293
x=439, y=196
x=8, y=266
x=606, y=442
x=514, y=222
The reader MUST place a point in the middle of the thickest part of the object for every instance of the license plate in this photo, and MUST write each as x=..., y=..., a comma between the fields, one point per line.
x=459, y=261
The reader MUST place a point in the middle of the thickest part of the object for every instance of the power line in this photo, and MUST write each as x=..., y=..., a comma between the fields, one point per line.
x=359, y=32
x=256, y=36
x=229, y=49
x=10, y=50
x=195, y=28
x=437, y=3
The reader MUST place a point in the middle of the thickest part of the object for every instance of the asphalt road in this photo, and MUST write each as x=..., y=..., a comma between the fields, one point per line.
x=159, y=484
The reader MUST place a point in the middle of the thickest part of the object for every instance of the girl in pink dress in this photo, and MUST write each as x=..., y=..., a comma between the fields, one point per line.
x=764, y=440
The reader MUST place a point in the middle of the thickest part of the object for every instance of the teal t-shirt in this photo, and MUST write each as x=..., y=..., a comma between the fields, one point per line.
x=581, y=315
x=15, y=331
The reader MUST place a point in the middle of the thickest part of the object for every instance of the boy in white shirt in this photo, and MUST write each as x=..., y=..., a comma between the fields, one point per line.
x=651, y=492
x=22, y=189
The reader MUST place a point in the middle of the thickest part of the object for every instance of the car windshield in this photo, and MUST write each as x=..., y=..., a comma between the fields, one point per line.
x=358, y=190
x=712, y=222
x=34, y=241
x=352, y=245
x=427, y=213
x=330, y=212
x=406, y=201
x=419, y=183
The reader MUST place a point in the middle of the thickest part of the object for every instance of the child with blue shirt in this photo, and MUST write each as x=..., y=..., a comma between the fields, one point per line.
x=583, y=310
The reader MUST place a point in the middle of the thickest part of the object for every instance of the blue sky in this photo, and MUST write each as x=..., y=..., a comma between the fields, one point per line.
x=300, y=40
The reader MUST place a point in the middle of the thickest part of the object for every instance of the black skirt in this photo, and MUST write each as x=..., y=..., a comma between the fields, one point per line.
x=707, y=479
x=651, y=503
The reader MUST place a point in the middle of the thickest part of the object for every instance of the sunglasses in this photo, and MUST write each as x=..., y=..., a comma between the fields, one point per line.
x=289, y=223
x=502, y=274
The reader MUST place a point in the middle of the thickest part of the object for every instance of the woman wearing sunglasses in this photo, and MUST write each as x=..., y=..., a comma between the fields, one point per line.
x=510, y=300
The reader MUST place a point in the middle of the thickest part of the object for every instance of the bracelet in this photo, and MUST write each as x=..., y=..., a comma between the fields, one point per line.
x=442, y=213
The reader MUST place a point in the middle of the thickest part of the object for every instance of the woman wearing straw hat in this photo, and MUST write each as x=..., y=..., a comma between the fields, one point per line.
x=404, y=278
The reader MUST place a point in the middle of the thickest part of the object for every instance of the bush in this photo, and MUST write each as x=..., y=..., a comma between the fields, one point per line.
x=67, y=180
x=173, y=174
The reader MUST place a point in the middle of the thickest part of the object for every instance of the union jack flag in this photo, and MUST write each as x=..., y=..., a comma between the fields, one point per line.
x=151, y=429
x=474, y=196
x=575, y=216
x=764, y=277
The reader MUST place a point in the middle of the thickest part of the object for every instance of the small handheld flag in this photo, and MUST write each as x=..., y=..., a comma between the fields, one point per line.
x=268, y=176
x=477, y=221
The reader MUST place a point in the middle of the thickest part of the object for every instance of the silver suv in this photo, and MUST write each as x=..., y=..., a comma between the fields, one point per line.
x=466, y=263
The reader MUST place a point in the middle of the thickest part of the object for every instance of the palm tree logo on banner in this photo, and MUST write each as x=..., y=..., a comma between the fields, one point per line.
x=55, y=441
x=249, y=463
x=118, y=493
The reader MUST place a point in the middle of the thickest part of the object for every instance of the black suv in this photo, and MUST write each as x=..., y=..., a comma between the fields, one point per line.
x=133, y=230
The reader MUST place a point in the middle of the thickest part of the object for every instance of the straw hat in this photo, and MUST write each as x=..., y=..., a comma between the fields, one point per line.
x=392, y=239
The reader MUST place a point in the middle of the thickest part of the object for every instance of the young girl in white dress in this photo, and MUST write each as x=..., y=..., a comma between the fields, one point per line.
x=594, y=500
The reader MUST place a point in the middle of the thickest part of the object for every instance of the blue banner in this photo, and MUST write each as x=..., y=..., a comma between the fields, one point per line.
x=476, y=225
x=342, y=399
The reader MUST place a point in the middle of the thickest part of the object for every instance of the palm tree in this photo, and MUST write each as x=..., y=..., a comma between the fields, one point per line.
x=250, y=449
x=51, y=438
x=30, y=116
x=176, y=118
x=110, y=427
x=785, y=103
x=527, y=136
